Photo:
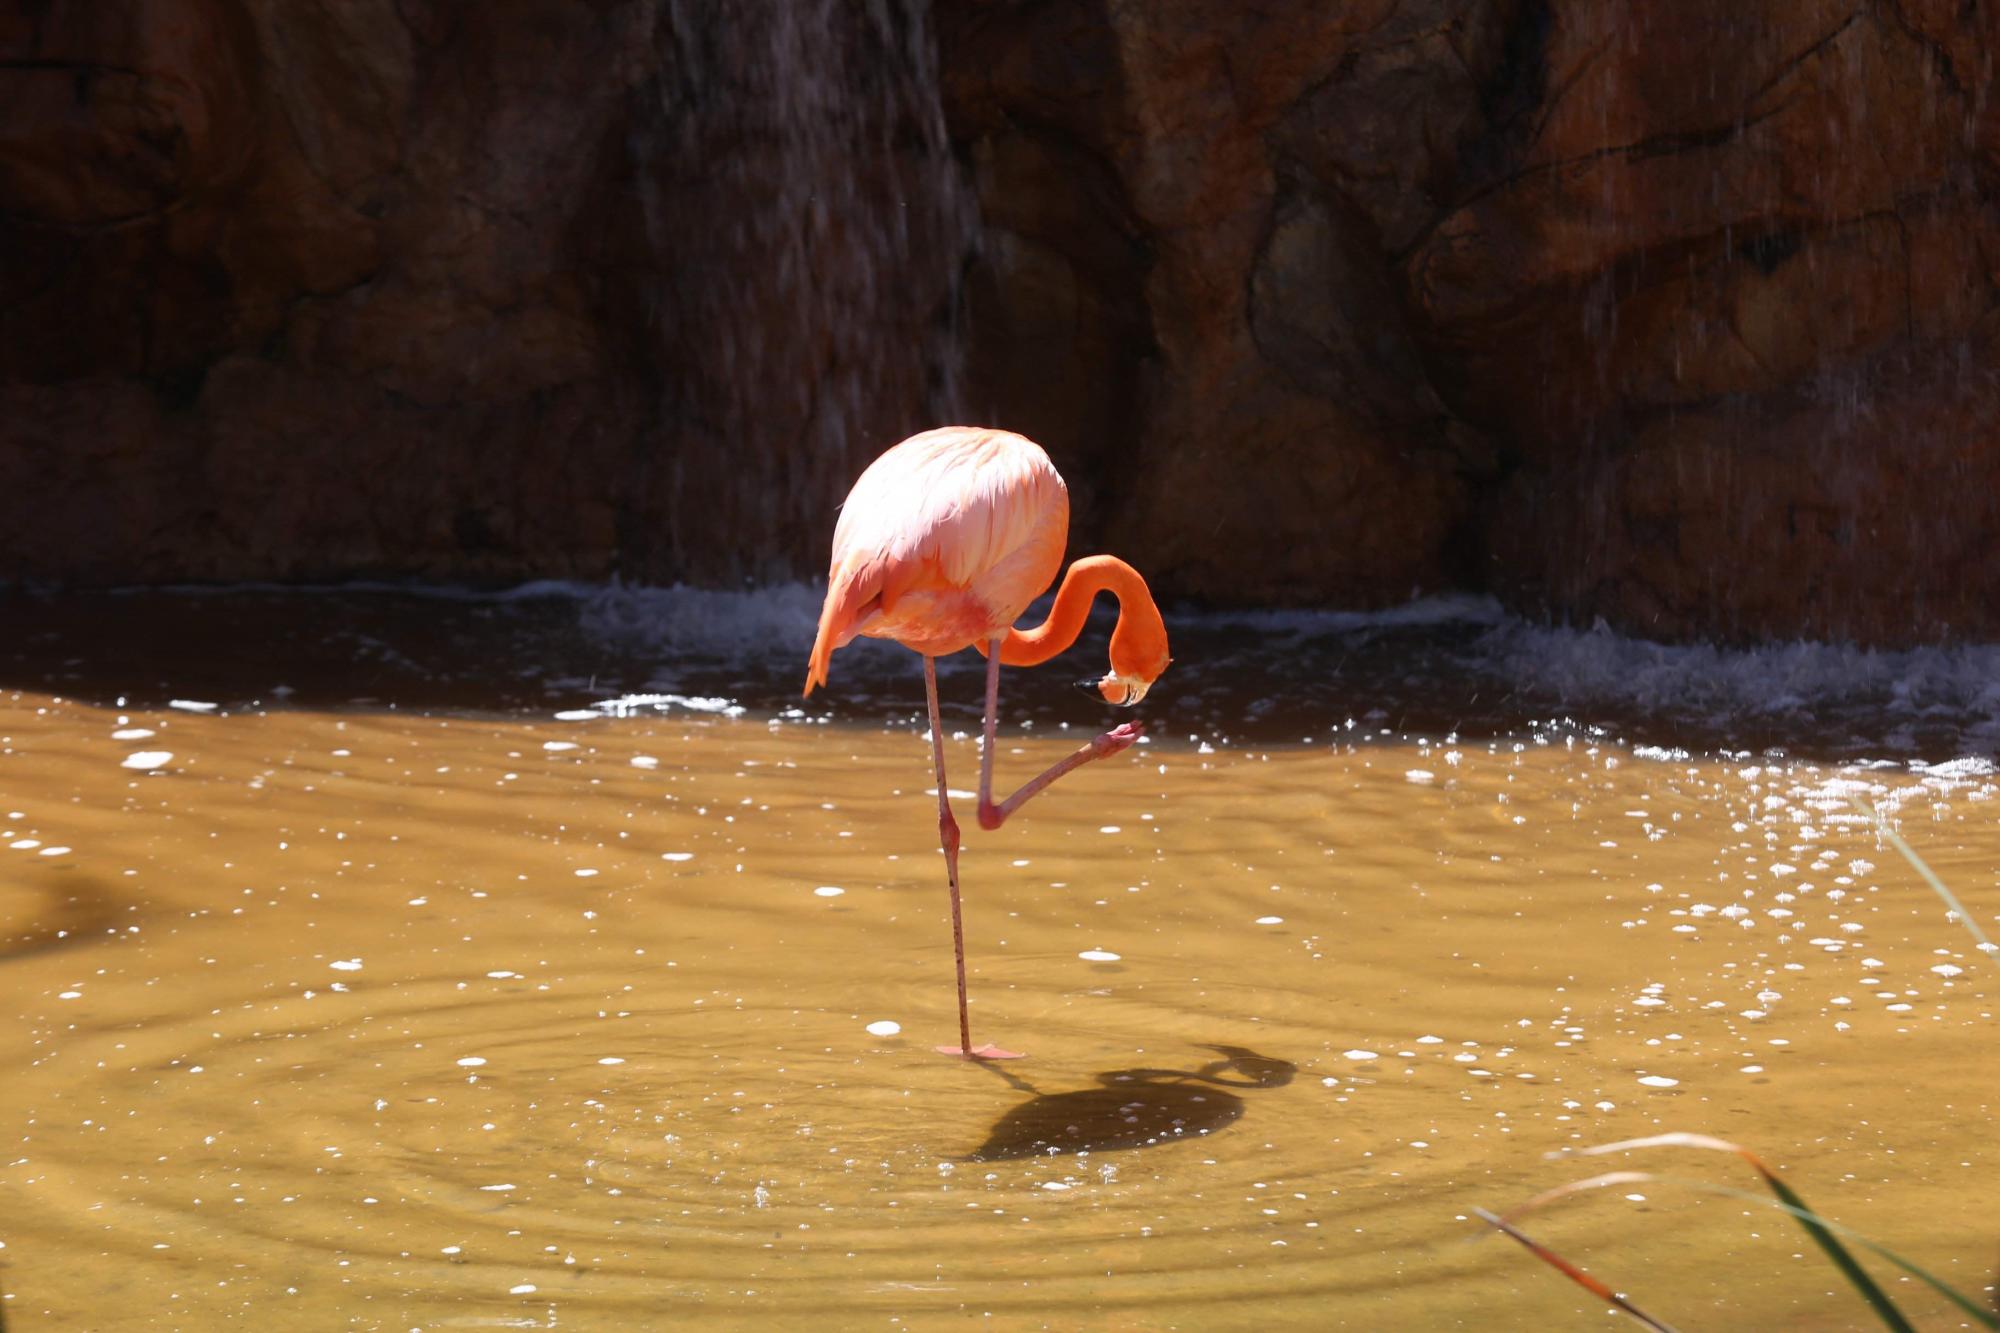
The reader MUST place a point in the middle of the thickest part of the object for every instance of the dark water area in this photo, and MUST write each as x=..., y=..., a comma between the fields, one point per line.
x=1447, y=667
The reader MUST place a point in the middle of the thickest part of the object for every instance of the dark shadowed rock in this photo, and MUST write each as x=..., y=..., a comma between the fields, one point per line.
x=460, y=290
x=1675, y=315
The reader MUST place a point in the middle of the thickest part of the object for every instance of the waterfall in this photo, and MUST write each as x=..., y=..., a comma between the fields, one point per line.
x=808, y=228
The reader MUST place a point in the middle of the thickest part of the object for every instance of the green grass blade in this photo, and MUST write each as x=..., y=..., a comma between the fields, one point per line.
x=1938, y=886
x=1821, y=1230
x=1986, y=1318
x=1843, y=1259
x=1979, y=1314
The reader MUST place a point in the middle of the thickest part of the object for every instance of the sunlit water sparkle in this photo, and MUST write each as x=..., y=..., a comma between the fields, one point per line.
x=542, y=958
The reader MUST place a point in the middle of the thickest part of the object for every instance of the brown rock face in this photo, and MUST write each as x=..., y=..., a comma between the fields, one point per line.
x=458, y=289
x=1654, y=313
x=1719, y=319
x=1180, y=300
x=1682, y=316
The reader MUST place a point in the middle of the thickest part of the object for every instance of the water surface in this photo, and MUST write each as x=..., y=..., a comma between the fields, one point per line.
x=372, y=964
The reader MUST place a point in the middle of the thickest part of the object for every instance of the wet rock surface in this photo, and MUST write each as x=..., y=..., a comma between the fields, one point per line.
x=1677, y=317
x=1681, y=317
x=455, y=290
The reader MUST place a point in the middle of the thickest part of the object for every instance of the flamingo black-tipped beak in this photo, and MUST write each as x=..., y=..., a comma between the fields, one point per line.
x=1123, y=691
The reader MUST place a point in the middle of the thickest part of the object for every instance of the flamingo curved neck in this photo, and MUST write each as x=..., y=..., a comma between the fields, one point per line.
x=1138, y=618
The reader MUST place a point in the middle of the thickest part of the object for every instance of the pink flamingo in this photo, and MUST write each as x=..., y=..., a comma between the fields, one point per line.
x=942, y=543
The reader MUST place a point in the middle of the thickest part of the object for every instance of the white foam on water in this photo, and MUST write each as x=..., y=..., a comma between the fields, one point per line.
x=1861, y=699
x=702, y=622
x=1600, y=667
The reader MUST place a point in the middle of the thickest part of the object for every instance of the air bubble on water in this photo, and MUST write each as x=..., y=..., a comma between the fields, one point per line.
x=147, y=759
x=828, y=891
x=884, y=1027
x=1099, y=956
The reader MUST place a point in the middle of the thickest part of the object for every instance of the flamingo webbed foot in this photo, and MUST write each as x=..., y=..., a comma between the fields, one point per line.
x=1121, y=737
x=987, y=1052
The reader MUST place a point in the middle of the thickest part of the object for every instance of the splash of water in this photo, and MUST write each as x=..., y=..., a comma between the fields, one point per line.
x=799, y=194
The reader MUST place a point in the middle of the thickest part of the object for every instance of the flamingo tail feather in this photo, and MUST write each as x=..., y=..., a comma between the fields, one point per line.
x=852, y=594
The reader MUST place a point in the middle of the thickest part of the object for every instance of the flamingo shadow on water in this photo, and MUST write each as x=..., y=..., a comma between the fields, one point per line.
x=1130, y=1108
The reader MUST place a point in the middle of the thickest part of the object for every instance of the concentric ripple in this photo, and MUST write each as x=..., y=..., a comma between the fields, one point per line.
x=628, y=1021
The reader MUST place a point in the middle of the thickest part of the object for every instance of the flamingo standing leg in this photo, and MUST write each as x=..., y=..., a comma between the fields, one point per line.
x=992, y=816
x=948, y=839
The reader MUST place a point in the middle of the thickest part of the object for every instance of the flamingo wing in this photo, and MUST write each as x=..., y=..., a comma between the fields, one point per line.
x=943, y=541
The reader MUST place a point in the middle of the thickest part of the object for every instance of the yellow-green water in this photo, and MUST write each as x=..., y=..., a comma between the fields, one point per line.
x=360, y=1019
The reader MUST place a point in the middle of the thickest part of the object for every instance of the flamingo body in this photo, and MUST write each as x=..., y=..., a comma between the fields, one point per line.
x=942, y=543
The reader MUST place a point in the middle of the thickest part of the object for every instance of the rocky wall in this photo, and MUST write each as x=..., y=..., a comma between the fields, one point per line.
x=1681, y=316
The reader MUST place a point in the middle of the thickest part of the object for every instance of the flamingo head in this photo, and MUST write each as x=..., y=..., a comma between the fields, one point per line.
x=1138, y=658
